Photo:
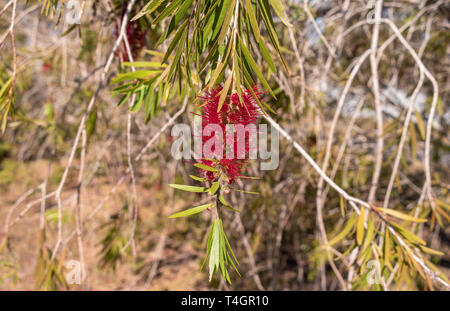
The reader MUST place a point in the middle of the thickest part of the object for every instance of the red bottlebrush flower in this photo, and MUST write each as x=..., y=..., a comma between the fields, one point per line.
x=136, y=35
x=233, y=112
x=46, y=67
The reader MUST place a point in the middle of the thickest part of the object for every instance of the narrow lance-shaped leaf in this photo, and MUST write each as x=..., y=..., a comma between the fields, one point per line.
x=224, y=92
x=144, y=64
x=197, y=178
x=170, y=9
x=431, y=251
x=342, y=205
x=420, y=123
x=223, y=11
x=400, y=215
x=265, y=53
x=138, y=74
x=215, y=186
x=149, y=8
x=360, y=227
x=252, y=18
x=177, y=56
x=205, y=167
x=208, y=245
x=255, y=68
x=348, y=227
x=191, y=211
x=267, y=17
x=225, y=203
x=279, y=10
x=411, y=237
x=189, y=188
x=214, y=255
x=226, y=22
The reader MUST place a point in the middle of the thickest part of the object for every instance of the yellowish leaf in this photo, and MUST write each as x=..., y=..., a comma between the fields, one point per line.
x=360, y=227
x=400, y=215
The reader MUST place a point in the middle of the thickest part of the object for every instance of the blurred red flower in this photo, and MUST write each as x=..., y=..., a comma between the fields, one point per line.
x=235, y=112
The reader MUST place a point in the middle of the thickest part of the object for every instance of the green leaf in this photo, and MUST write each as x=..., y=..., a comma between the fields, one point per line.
x=145, y=64
x=360, y=227
x=342, y=205
x=279, y=10
x=91, y=122
x=348, y=227
x=252, y=18
x=226, y=22
x=215, y=186
x=5, y=87
x=411, y=237
x=222, y=200
x=206, y=167
x=265, y=53
x=387, y=247
x=232, y=209
x=169, y=10
x=255, y=68
x=224, y=92
x=225, y=203
x=189, y=188
x=175, y=40
x=191, y=211
x=138, y=101
x=431, y=251
x=370, y=234
x=197, y=178
x=400, y=215
x=175, y=21
x=69, y=30
x=420, y=123
x=219, y=69
x=208, y=245
x=442, y=204
x=214, y=255
x=267, y=17
x=177, y=56
x=138, y=74
x=260, y=103
x=249, y=192
x=182, y=11
x=149, y=8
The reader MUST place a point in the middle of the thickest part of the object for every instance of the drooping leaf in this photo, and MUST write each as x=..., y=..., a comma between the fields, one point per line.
x=191, y=211
x=252, y=18
x=279, y=10
x=347, y=228
x=255, y=68
x=387, y=247
x=169, y=10
x=411, y=237
x=420, y=123
x=214, y=255
x=206, y=167
x=360, y=226
x=400, y=215
x=189, y=188
x=197, y=178
x=215, y=186
x=149, y=8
